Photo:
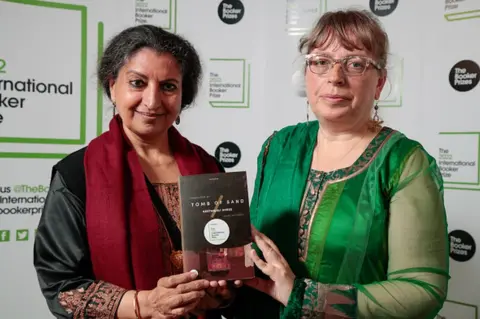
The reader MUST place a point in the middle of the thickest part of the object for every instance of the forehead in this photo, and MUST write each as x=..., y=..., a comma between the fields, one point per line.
x=151, y=63
x=339, y=45
x=338, y=50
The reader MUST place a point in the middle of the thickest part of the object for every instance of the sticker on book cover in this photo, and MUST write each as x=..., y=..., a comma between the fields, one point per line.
x=216, y=231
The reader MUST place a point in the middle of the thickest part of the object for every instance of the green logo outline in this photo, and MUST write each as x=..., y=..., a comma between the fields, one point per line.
x=246, y=80
x=464, y=15
x=83, y=89
x=468, y=185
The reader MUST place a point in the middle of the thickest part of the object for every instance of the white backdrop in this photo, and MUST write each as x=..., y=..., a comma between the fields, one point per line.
x=50, y=105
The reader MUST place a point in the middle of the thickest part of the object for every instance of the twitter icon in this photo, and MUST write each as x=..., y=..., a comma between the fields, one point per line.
x=22, y=234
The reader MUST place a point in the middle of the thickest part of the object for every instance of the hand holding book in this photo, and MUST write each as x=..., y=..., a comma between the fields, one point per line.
x=175, y=295
x=282, y=278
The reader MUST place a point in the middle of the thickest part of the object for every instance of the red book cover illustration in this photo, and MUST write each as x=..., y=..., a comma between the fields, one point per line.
x=216, y=233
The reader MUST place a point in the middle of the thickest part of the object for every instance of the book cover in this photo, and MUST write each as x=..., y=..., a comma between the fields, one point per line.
x=216, y=233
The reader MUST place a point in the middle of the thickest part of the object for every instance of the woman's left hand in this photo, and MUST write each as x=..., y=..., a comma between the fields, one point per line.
x=275, y=266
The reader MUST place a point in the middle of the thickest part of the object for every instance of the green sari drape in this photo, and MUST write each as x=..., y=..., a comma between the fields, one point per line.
x=366, y=241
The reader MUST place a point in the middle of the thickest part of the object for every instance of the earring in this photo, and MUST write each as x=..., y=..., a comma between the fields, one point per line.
x=114, y=108
x=376, y=118
x=177, y=121
x=308, y=115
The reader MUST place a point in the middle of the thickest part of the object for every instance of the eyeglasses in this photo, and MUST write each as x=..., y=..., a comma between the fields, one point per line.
x=351, y=65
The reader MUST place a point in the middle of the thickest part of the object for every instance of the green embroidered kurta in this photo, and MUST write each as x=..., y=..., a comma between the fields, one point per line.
x=366, y=241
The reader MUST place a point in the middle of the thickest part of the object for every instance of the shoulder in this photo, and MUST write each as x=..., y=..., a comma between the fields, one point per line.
x=72, y=163
x=71, y=169
x=292, y=134
x=402, y=148
x=291, y=131
x=405, y=156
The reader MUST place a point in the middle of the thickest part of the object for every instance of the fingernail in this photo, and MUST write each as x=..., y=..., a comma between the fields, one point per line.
x=194, y=272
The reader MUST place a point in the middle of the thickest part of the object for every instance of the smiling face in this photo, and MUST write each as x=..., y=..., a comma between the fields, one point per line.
x=148, y=93
x=338, y=96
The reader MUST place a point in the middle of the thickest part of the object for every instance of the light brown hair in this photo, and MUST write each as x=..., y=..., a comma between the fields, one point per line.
x=353, y=29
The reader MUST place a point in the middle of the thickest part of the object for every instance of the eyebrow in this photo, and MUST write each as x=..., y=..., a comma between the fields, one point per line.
x=144, y=76
x=136, y=73
x=330, y=55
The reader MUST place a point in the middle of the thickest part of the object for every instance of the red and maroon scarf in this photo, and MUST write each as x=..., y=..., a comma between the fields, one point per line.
x=122, y=225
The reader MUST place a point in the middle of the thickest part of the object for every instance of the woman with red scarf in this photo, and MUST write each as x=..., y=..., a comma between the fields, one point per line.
x=108, y=243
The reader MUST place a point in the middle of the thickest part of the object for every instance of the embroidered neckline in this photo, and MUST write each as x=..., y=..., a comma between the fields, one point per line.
x=362, y=161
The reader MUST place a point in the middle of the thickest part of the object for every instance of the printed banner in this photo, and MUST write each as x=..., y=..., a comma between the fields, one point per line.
x=29, y=86
x=253, y=84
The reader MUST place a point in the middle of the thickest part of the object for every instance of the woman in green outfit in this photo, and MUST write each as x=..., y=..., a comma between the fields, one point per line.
x=350, y=214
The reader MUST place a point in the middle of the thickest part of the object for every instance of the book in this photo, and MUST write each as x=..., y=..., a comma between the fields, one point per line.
x=216, y=231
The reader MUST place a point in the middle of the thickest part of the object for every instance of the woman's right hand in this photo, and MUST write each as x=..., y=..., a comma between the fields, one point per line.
x=176, y=295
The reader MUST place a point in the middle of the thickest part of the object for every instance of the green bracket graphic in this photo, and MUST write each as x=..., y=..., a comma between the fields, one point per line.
x=83, y=79
x=100, y=40
x=465, y=15
x=32, y=155
x=172, y=21
x=467, y=185
x=244, y=102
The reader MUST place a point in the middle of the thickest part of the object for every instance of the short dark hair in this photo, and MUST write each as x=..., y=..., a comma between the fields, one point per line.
x=129, y=41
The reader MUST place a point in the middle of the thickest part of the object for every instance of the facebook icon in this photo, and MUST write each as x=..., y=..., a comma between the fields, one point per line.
x=4, y=235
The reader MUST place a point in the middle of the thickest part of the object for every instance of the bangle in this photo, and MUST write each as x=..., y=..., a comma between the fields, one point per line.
x=136, y=306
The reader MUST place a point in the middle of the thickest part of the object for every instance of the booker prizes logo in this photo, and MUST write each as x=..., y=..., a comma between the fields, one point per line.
x=383, y=7
x=464, y=75
x=462, y=245
x=228, y=154
x=231, y=11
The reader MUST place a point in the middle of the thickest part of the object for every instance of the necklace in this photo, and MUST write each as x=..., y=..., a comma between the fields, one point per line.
x=337, y=160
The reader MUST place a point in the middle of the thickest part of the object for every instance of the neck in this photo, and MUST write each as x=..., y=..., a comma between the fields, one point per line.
x=153, y=150
x=333, y=132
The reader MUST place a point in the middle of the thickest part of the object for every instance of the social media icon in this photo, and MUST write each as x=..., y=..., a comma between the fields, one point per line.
x=22, y=234
x=4, y=235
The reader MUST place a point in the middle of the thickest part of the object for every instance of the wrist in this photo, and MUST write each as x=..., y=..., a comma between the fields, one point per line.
x=288, y=291
x=144, y=305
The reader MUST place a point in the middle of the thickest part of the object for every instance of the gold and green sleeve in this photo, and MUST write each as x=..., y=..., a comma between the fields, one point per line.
x=418, y=252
